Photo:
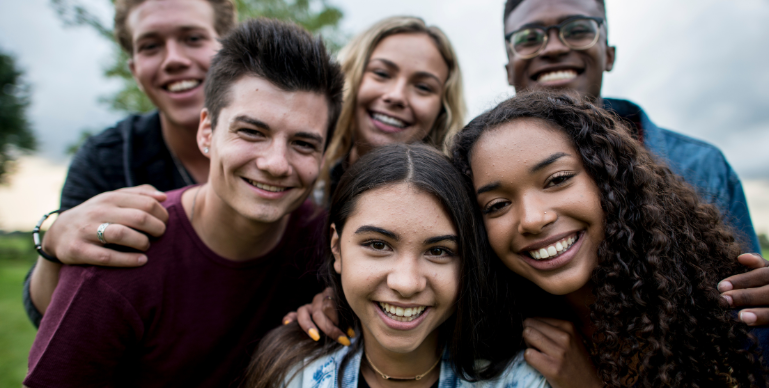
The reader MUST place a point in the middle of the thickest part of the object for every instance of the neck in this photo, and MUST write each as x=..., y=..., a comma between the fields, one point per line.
x=225, y=231
x=401, y=365
x=181, y=140
x=579, y=301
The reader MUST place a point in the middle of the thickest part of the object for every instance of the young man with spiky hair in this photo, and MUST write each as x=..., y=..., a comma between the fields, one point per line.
x=170, y=44
x=238, y=251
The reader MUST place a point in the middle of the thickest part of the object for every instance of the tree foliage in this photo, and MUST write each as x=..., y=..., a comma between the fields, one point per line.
x=316, y=15
x=15, y=133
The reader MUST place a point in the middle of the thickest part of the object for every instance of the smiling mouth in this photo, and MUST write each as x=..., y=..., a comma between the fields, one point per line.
x=182, y=86
x=389, y=120
x=265, y=187
x=400, y=314
x=554, y=250
x=556, y=76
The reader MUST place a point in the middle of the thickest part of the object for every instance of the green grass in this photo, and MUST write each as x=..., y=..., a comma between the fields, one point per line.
x=16, y=332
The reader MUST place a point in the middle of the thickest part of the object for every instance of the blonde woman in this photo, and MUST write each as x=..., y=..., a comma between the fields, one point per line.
x=402, y=85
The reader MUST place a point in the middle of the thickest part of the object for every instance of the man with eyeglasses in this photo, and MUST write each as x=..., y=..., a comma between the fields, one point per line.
x=563, y=44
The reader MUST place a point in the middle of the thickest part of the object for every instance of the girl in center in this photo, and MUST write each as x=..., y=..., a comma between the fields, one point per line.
x=406, y=268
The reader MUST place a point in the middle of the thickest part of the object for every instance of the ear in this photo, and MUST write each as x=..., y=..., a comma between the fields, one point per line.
x=132, y=67
x=509, y=71
x=335, y=249
x=611, y=55
x=205, y=133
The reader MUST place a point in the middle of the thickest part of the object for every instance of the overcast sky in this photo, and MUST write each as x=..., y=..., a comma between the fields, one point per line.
x=700, y=67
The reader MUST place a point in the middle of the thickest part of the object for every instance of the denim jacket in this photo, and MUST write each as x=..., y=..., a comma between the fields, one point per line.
x=700, y=164
x=324, y=372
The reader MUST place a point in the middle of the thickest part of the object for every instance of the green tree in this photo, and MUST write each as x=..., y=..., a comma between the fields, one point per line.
x=315, y=15
x=15, y=133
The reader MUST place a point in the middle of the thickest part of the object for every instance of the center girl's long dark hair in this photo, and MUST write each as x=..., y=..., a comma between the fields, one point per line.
x=285, y=349
x=657, y=314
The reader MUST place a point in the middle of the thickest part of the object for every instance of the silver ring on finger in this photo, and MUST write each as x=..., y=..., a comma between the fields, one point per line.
x=100, y=232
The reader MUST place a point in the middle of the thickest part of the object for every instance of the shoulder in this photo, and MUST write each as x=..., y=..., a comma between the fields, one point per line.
x=321, y=372
x=134, y=124
x=518, y=374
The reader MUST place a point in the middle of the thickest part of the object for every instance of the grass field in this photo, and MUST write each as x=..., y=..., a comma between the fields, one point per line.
x=16, y=331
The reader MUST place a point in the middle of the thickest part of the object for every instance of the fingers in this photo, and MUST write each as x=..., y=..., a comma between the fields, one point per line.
x=147, y=190
x=754, y=316
x=303, y=318
x=540, y=341
x=105, y=257
x=134, y=219
x=290, y=317
x=125, y=236
x=140, y=210
x=752, y=260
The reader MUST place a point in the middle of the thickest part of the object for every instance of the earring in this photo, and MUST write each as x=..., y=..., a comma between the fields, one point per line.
x=205, y=150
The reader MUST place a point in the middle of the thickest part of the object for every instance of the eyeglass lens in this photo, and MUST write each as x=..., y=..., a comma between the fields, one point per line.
x=577, y=34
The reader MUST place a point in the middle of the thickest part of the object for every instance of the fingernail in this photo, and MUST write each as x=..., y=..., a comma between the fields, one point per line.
x=142, y=260
x=343, y=340
x=350, y=332
x=159, y=193
x=728, y=299
x=313, y=334
x=287, y=321
x=748, y=318
x=725, y=286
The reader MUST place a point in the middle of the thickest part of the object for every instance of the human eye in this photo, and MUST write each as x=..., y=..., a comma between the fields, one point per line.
x=495, y=206
x=440, y=252
x=305, y=146
x=250, y=133
x=146, y=47
x=559, y=178
x=527, y=37
x=422, y=87
x=195, y=38
x=377, y=246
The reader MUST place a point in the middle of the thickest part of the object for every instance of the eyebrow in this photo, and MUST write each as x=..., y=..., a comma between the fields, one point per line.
x=447, y=237
x=374, y=229
x=550, y=160
x=153, y=34
x=489, y=187
x=418, y=74
x=252, y=121
x=540, y=24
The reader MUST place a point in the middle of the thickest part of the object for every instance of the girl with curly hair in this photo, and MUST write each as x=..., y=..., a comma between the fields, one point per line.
x=614, y=259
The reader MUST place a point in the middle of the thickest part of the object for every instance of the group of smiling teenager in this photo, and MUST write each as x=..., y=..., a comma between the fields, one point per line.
x=554, y=247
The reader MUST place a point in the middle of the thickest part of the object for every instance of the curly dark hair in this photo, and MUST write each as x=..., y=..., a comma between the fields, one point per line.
x=657, y=314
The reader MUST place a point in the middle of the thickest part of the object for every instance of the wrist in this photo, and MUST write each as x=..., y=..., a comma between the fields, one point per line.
x=39, y=242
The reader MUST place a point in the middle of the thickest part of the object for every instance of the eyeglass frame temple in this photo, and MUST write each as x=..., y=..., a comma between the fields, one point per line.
x=558, y=26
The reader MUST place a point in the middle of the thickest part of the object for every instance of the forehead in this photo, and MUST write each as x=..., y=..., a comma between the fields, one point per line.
x=416, y=51
x=159, y=16
x=404, y=209
x=516, y=145
x=282, y=110
x=549, y=12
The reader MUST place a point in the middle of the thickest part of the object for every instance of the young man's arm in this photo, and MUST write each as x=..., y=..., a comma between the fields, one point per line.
x=72, y=238
x=88, y=331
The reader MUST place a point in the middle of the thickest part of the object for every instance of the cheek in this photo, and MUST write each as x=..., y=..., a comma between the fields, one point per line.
x=427, y=110
x=307, y=168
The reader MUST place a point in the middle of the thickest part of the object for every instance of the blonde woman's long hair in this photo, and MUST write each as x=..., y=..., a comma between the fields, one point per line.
x=354, y=58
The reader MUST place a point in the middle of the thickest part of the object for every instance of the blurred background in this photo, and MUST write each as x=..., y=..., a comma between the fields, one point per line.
x=699, y=67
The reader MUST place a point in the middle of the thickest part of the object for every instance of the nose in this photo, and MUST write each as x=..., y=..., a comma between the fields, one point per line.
x=274, y=160
x=406, y=277
x=534, y=215
x=554, y=46
x=396, y=93
x=176, y=57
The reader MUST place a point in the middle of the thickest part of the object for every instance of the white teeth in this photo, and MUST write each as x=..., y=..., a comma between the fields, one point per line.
x=388, y=120
x=181, y=86
x=402, y=314
x=274, y=189
x=553, y=249
x=557, y=76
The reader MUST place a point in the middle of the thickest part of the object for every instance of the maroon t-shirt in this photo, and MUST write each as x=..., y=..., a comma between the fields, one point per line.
x=189, y=317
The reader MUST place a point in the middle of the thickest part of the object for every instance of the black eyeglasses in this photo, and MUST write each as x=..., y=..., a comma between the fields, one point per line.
x=577, y=33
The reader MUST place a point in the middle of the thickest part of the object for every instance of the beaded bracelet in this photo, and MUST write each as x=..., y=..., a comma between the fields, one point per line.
x=39, y=242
